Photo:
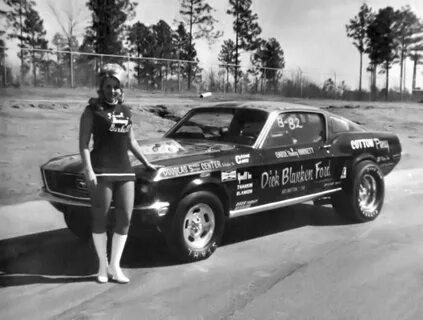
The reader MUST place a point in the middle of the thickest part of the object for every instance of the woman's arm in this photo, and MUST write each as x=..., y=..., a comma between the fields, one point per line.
x=136, y=150
x=85, y=130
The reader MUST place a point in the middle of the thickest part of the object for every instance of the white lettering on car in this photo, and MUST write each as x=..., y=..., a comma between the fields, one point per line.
x=244, y=176
x=228, y=175
x=273, y=179
x=362, y=144
x=242, y=158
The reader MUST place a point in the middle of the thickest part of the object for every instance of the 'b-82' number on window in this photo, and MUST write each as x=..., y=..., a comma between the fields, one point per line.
x=291, y=122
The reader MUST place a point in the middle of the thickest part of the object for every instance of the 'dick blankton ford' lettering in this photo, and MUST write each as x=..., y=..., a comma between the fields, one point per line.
x=273, y=179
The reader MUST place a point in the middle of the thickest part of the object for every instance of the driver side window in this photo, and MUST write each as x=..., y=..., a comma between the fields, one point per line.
x=295, y=128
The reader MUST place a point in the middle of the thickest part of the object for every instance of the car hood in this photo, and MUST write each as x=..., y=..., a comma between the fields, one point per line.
x=160, y=150
x=165, y=148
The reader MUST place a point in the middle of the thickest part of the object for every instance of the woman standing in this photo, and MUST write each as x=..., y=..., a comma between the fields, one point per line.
x=107, y=168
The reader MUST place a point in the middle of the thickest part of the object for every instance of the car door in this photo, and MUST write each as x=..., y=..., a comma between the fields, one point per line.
x=296, y=159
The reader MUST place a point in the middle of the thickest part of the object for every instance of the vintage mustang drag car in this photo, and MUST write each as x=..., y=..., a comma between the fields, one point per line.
x=233, y=159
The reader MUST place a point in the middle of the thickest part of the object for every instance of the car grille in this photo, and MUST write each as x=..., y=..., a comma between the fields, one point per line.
x=66, y=184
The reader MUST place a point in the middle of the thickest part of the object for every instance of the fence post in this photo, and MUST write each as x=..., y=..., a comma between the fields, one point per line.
x=71, y=70
x=129, y=60
x=225, y=82
x=179, y=76
x=4, y=68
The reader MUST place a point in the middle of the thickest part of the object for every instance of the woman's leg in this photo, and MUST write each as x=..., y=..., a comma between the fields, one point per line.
x=101, y=198
x=124, y=204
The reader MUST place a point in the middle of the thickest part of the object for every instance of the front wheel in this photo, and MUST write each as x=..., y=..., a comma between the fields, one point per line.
x=196, y=228
x=78, y=221
x=362, y=198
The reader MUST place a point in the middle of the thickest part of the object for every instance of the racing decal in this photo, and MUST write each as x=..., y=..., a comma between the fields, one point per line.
x=245, y=184
x=362, y=144
x=174, y=171
x=276, y=178
x=194, y=167
x=228, y=175
x=162, y=147
x=292, y=189
x=180, y=170
x=369, y=143
x=226, y=164
x=242, y=158
x=245, y=204
x=211, y=165
x=244, y=176
x=294, y=152
x=344, y=173
x=382, y=144
x=291, y=122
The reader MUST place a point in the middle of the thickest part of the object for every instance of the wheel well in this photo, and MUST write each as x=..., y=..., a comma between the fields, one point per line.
x=362, y=158
x=215, y=189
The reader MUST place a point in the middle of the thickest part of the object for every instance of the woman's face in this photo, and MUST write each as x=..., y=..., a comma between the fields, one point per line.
x=110, y=88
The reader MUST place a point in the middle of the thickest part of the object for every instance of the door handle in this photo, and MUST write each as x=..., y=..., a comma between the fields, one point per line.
x=326, y=147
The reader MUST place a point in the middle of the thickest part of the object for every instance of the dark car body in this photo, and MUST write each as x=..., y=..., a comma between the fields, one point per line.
x=252, y=157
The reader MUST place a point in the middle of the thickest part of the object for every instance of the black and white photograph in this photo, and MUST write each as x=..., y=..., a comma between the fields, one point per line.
x=211, y=159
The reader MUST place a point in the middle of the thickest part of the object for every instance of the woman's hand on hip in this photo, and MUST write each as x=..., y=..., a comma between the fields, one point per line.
x=90, y=178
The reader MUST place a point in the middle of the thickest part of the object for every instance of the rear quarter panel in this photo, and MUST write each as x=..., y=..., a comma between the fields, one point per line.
x=381, y=147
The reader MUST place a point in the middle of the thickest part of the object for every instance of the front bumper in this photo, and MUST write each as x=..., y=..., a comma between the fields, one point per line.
x=152, y=213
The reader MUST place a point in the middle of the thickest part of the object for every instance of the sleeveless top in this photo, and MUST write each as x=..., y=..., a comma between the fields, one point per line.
x=109, y=156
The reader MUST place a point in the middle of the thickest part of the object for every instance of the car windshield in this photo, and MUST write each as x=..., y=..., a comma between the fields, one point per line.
x=241, y=126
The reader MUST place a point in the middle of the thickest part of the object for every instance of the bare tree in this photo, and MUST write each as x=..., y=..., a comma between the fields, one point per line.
x=71, y=18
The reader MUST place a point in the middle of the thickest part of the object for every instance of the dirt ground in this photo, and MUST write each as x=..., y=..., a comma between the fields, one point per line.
x=38, y=124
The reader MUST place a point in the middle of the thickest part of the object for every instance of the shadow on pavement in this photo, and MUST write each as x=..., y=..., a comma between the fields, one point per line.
x=279, y=220
x=60, y=257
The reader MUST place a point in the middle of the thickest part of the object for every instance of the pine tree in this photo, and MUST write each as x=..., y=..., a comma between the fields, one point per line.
x=246, y=29
x=409, y=26
x=163, y=36
x=184, y=50
x=28, y=28
x=16, y=20
x=196, y=14
x=227, y=58
x=382, y=36
x=108, y=18
x=357, y=30
x=141, y=44
x=271, y=58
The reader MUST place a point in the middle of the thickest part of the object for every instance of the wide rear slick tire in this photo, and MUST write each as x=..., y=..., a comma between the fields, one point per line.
x=362, y=197
x=195, y=229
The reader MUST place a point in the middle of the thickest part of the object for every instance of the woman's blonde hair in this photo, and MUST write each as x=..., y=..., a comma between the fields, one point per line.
x=110, y=70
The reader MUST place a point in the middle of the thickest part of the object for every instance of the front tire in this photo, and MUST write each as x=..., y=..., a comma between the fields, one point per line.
x=78, y=221
x=362, y=197
x=195, y=230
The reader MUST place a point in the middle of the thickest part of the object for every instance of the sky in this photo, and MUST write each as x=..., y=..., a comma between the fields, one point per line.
x=311, y=33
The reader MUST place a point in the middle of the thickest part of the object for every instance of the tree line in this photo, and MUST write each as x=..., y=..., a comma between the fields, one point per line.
x=111, y=33
x=388, y=36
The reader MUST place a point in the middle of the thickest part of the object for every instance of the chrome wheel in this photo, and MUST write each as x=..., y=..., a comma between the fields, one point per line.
x=367, y=194
x=199, y=225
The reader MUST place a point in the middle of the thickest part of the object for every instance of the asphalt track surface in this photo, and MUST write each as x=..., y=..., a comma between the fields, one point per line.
x=301, y=262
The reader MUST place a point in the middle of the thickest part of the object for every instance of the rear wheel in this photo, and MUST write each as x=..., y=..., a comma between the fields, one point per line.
x=362, y=197
x=196, y=228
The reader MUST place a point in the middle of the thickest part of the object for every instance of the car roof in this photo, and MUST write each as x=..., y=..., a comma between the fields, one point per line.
x=267, y=106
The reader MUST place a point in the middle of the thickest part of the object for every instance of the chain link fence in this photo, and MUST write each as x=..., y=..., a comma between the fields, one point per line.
x=66, y=69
